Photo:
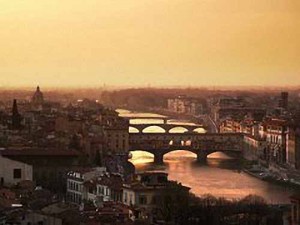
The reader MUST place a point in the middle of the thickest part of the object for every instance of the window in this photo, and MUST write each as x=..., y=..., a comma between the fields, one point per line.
x=125, y=197
x=143, y=200
x=131, y=199
x=17, y=173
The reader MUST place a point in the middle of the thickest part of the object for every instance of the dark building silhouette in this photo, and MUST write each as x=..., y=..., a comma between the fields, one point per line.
x=284, y=100
x=16, y=117
x=38, y=97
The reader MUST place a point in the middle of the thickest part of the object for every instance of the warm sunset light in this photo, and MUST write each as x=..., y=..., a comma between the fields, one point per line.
x=129, y=43
x=150, y=112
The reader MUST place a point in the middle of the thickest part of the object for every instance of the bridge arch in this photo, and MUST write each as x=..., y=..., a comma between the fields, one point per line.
x=153, y=129
x=224, y=154
x=200, y=130
x=168, y=128
x=159, y=154
x=141, y=156
x=181, y=153
x=219, y=154
x=178, y=130
x=133, y=130
x=201, y=155
x=201, y=144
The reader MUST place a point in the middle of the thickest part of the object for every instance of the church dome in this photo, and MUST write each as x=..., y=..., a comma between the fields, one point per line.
x=38, y=97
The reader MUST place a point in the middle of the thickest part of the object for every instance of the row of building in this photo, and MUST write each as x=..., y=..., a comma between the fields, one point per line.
x=222, y=107
x=274, y=140
x=79, y=153
x=93, y=196
x=146, y=192
x=186, y=105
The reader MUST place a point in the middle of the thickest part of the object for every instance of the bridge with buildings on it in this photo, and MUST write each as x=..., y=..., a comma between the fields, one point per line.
x=202, y=145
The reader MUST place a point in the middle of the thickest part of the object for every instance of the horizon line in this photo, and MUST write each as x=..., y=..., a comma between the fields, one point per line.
x=148, y=86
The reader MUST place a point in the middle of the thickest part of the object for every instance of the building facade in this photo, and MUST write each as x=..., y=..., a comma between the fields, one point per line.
x=284, y=100
x=186, y=105
x=76, y=180
x=152, y=191
x=276, y=130
x=12, y=171
x=293, y=146
x=117, y=139
x=254, y=148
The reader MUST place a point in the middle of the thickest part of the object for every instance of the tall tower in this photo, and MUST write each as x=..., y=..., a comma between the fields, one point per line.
x=284, y=100
x=16, y=117
x=38, y=97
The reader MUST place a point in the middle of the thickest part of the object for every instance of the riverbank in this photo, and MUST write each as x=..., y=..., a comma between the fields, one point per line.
x=220, y=176
x=273, y=176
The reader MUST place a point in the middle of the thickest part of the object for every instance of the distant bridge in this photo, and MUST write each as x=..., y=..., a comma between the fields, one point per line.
x=164, y=119
x=166, y=127
x=203, y=145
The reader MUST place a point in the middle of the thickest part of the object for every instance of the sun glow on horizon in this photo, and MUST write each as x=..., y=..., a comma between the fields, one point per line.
x=161, y=43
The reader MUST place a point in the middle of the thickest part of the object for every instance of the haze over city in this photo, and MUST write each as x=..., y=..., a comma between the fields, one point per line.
x=161, y=43
x=150, y=112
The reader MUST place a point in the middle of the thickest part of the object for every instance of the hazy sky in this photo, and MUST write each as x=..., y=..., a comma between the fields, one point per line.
x=155, y=42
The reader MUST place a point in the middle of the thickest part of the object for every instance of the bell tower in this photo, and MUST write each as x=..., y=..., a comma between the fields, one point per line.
x=16, y=117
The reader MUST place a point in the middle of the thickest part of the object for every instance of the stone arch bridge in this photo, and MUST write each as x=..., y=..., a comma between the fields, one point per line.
x=203, y=145
x=163, y=119
x=166, y=127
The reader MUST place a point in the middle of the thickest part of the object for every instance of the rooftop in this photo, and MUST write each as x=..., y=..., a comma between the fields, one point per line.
x=295, y=197
x=38, y=152
x=276, y=122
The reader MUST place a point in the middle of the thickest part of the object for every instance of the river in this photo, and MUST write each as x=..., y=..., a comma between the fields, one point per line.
x=220, y=176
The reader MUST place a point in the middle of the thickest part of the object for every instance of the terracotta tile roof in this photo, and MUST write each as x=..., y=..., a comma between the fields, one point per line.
x=276, y=122
x=112, y=181
x=90, y=183
x=83, y=170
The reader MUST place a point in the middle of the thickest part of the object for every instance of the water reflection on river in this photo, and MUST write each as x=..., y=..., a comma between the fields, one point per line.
x=220, y=176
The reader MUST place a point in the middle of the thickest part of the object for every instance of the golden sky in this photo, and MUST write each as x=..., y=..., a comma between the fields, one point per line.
x=155, y=42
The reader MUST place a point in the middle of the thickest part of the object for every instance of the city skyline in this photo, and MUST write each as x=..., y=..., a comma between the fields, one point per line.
x=139, y=112
x=140, y=43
